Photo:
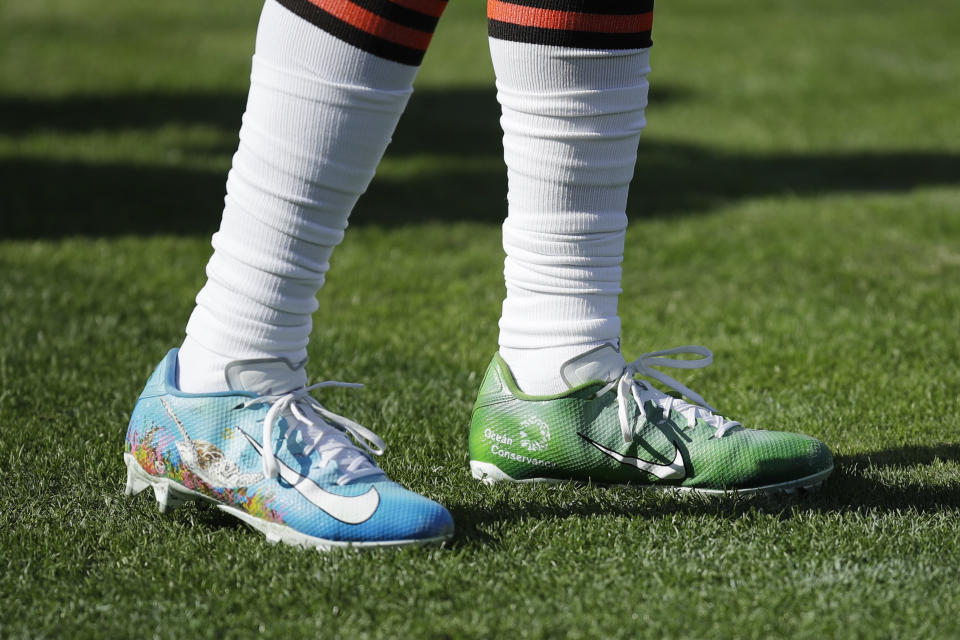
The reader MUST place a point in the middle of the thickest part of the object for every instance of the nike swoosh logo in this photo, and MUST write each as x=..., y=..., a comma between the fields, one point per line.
x=674, y=470
x=346, y=509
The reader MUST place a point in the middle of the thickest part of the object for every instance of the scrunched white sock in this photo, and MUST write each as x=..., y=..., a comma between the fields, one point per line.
x=319, y=116
x=571, y=121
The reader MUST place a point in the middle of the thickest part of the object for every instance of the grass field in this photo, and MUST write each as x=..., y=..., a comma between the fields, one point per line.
x=796, y=208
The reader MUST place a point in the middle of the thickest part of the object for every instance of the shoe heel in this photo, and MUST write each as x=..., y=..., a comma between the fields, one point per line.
x=164, y=490
x=135, y=484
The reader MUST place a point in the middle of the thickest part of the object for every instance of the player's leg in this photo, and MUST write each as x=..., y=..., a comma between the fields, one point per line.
x=572, y=116
x=323, y=104
x=228, y=417
x=559, y=401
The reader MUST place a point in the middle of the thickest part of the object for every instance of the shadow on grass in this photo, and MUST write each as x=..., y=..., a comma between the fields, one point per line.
x=853, y=488
x=150, y=110
x=105, y=112
x=449, y=138
x=850, y=490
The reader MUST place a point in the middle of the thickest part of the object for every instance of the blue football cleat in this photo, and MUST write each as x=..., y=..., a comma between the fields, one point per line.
x=277, y=460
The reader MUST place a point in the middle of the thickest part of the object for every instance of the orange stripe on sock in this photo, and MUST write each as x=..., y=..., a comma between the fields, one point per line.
x=568, y=20
x=432, y=8
x=371, y=23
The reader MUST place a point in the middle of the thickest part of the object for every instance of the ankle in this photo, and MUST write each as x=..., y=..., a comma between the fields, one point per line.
x=200, y=370
x=547, y=371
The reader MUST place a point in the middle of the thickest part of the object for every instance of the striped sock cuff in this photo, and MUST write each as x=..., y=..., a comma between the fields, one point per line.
x=398, y=30
x=582, y=24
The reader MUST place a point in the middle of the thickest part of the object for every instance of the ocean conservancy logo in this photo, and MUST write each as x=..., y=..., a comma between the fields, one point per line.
x=674, y=470
x=516, y=457
x=534, y=434
x=346, y=509
x=501, y=452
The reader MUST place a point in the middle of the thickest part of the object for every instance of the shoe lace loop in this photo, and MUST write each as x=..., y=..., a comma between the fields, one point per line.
x=628, y=387
x=323, y=430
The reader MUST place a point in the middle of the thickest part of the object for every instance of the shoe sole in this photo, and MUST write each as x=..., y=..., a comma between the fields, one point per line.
x=490, y=474
x=171, y=494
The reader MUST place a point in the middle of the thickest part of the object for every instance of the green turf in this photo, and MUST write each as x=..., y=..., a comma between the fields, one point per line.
x=796, y=208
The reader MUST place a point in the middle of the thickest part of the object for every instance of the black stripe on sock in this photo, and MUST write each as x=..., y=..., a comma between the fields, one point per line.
x=573, y=39
x=400, y=15
x=352, y=35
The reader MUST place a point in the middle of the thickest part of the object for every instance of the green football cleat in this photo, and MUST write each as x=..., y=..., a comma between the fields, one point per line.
x=611, y=427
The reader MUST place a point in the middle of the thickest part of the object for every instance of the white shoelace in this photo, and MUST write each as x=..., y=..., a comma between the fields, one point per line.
x=628, y=387
x=322, y=430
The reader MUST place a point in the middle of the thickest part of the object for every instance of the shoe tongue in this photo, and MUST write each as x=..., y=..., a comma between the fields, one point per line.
x=604, y=364
x=267, y=376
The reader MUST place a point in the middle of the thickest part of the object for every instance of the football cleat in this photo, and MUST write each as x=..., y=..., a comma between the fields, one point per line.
x=271, y=455
x=612, y=427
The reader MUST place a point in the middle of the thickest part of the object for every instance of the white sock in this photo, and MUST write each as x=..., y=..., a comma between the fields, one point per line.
x=571, y=119
x=319, y=116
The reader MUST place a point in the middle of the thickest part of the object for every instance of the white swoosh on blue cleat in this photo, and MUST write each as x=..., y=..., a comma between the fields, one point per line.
x=346, y=509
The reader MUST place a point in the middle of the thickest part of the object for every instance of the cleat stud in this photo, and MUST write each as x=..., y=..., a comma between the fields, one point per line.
x=166, y=499
x=162, y=495
x=135, y=486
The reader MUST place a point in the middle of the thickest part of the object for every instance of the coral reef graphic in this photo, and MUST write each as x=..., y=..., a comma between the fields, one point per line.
x=153, y=451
